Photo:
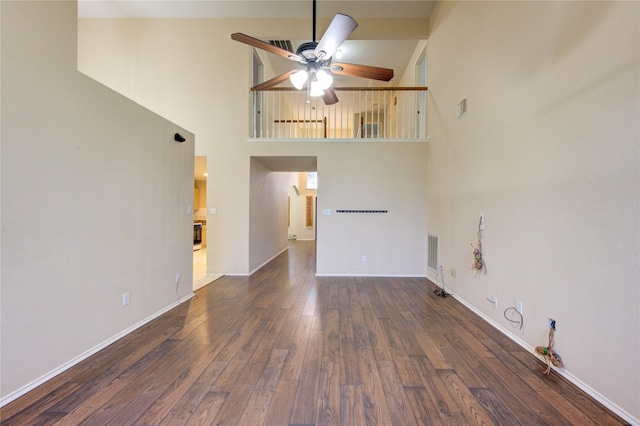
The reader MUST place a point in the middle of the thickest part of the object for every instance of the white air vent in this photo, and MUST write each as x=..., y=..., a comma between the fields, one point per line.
x=282, y=44
x=433, y=252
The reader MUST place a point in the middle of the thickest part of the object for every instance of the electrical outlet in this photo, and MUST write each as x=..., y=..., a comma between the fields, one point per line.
x=519, y=307
x=125, y=299
x=495, y=302
x=364, y=258
x=177, y=278
x=552, y=323
x=453, y=272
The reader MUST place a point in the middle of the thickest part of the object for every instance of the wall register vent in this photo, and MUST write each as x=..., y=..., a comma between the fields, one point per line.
x=433, y=252
x=282, y=44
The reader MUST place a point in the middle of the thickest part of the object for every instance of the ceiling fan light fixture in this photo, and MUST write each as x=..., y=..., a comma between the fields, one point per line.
x=299, y=78
x=315, y=89
x=324, y=79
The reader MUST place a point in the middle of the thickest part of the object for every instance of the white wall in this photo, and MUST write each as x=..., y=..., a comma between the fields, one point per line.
x=268, y=194
x=549, y=152
x=367, y=176
x=192, y=72
x=94, y=201
x=372, y=176
x=201, y=212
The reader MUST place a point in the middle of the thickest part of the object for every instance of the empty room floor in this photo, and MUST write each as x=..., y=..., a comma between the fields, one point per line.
x=284, y=347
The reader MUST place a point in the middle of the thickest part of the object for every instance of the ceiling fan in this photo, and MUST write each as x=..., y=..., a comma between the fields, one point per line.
x=316, y=60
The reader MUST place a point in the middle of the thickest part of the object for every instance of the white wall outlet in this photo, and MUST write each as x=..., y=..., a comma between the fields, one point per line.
x=482, y=221
x=453, y=272
x=125, y=299
x=189, y=209
x=326, y=212
x=213, y=210
x=494, y=302
x=519, y=307
x=177, y=278
x=364, y=258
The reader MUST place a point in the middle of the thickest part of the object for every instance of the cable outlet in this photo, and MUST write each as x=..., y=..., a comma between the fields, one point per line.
x=125, y=299
x=519, y=307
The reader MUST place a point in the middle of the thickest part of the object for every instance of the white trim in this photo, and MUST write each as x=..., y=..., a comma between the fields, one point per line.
x=206, y=280
x=370, y=275
x=269, y=260
x=567, y=375
x=48, y=376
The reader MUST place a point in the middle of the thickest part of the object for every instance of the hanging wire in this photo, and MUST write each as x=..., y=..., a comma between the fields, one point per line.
x=518, y=322
x=440, y=291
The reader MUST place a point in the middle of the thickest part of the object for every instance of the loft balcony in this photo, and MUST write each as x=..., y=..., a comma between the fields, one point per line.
x=361, y=115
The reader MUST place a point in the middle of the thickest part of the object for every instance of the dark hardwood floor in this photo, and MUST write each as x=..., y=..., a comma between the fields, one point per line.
x=284, y=347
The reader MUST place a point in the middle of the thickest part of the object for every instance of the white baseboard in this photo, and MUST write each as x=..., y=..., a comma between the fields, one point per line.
x=269, y=260
x=567, y=375
x=48, y=376
x=206, y=280
x=370, y=275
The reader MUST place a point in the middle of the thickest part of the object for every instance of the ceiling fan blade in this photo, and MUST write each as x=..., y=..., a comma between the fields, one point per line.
x=251, y=41
x=364, y=71
x=336, y=34
x=274, y=81
x=330, y=96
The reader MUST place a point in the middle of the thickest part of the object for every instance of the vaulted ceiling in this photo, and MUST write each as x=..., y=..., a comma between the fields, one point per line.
x=252, y=8
x=389, y=53
x=394, y=52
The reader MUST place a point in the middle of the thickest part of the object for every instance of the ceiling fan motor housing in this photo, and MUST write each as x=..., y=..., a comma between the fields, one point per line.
x=307, y=50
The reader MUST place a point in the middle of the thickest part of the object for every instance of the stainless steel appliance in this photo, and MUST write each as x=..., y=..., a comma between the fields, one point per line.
x=197, y=236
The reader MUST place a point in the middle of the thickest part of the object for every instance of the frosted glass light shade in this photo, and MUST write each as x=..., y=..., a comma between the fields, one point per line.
x=298, y=79
x=324, y=79
x=315, y=89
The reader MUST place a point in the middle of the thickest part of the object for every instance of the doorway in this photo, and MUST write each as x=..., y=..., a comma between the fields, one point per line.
x=278, y=205
x=302, y=215
x=200, y=176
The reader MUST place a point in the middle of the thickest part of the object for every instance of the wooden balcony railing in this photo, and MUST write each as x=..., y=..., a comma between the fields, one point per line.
x=388, y=114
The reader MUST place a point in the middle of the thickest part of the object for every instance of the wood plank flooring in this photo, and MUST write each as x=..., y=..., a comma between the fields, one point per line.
x=284, y=347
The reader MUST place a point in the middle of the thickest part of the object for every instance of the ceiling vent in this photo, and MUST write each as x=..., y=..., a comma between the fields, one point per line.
x=282, y=44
